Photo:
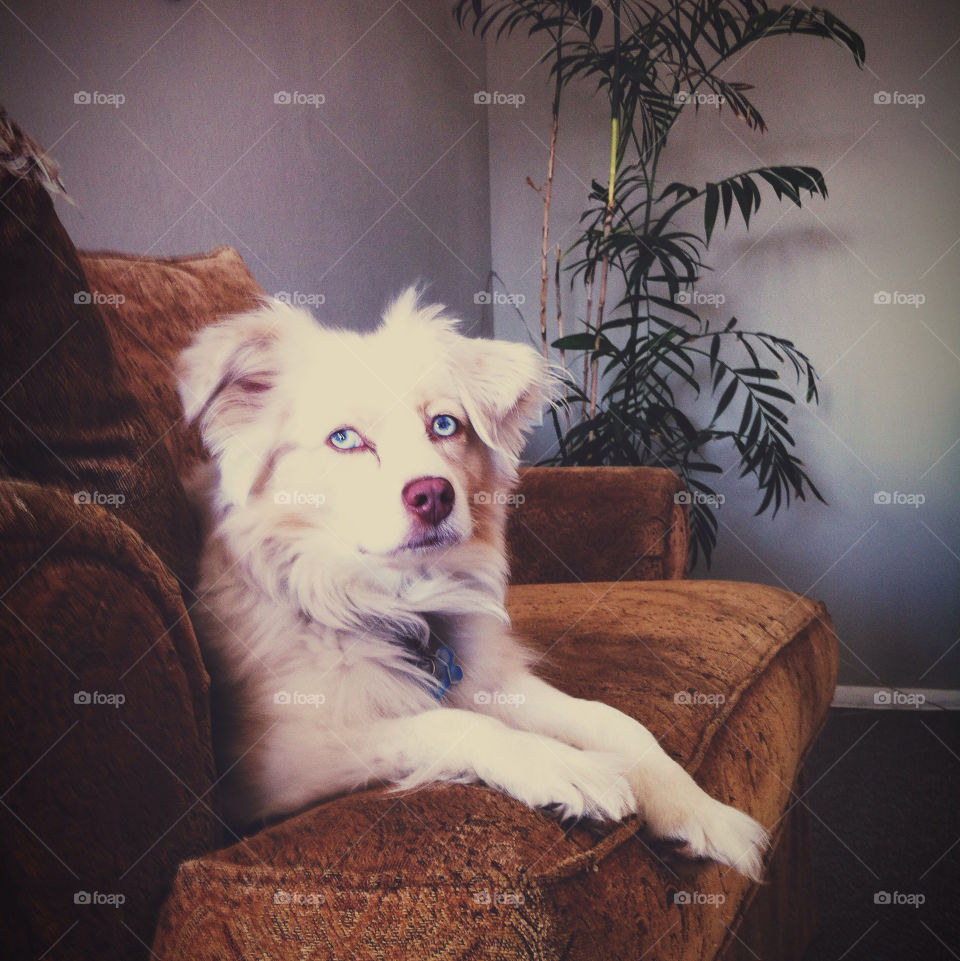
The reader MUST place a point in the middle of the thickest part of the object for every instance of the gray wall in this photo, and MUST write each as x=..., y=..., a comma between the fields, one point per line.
x=348, y=202
x=891, y=374
x=389, y=180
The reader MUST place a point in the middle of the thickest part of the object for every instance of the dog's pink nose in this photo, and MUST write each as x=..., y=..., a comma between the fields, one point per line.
x=429, y=498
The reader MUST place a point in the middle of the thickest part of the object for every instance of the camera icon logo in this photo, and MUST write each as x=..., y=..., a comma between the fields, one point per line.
x=82, y=297
x=882, y=497
x=81, y=897
x=282, y=697
x=682, y=897
x=683, y=497
x=82, y=96
x=282, y=497
x=881, y=697
x=883, y=297
x=482, y=497
x=483, y=97
x=283, y=97
x=482, y=297
x=882, y=897
x=681, y=96
x=283, y=296
x=82, y=497
x=882, y=96
x=481, y=697
x=81, y=697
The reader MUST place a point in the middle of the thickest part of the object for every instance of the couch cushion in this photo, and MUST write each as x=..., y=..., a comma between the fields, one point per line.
x=735, y=679
x=109, y=772
x=163, y=302
x=585, y=524
x=68, y=418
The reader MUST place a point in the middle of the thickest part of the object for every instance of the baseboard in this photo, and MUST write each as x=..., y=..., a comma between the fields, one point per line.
x=896, y=698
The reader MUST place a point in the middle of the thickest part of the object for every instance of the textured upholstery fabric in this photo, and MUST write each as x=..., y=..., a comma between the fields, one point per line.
x=66, y=416
x=581, y=524
x=734, y=679
x=165, y=301
x=101, y=796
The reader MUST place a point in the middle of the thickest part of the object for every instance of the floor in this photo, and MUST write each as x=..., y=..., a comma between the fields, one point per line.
x=884, y=792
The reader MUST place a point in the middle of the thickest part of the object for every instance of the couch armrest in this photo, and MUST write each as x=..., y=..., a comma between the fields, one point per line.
x=107, y=748
x=597, y=524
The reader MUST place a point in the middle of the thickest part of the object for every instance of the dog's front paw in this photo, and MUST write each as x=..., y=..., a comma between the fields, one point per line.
x=707, y=828
x=724, y=834
x=575, y=783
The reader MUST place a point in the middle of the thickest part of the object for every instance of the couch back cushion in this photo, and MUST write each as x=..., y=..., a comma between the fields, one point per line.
x=583, y=524
x=156, y=307
x=68, y=418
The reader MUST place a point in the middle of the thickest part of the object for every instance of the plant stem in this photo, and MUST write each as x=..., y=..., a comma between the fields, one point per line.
x=611, y=191
x=604, y=262
x=563, y=353
x=543, y=238
x=586, y=353
x=547, y=190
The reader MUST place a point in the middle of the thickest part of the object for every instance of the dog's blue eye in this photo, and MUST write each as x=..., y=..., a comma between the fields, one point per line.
x=345, y=439
x=444, y=425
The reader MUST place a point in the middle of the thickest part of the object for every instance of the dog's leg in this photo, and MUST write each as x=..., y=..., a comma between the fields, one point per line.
x=297, y=767
x=451, y=745
x=669, y=799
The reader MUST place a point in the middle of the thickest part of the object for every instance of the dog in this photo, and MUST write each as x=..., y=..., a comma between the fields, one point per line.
x=353, y=582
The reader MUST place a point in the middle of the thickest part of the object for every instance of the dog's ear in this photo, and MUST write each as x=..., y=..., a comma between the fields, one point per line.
x=224, y=378
x=504, y=387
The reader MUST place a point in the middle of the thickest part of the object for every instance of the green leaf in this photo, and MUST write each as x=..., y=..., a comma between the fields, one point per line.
x=726, y=398
x=727, y=195
x=710, y=209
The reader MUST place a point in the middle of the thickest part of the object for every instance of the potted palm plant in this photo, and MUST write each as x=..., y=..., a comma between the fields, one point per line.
x=637, y=362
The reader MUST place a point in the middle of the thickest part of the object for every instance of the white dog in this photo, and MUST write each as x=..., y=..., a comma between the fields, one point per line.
x=352, y=585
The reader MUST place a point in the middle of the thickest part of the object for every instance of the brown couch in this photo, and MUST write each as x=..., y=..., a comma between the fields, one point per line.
x=112, y=841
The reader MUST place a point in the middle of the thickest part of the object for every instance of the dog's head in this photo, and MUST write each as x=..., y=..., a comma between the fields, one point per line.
x=393, y=443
